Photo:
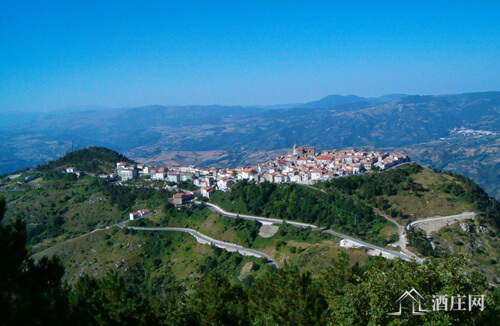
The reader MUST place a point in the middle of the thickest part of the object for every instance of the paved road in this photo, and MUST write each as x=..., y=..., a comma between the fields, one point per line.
x=462, y=216
x=206, y=239
x=402, y=234
x=220, y=211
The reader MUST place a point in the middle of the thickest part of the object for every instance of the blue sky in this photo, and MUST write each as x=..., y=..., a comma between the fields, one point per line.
x=55, y=54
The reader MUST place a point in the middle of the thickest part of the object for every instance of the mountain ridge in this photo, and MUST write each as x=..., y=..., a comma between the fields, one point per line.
x=406, y=123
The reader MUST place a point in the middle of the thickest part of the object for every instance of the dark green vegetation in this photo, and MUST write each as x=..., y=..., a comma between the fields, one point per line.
x=381, y=190
x=300, y=203
x=412, y=193
x=122, y=276
x=91, y=160
x=33, y=293
x=406, y=194
x=421, y=125
x=73, y=209
x=59, y=210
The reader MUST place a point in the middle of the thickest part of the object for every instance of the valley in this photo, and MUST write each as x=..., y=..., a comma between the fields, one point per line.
x=425, y=127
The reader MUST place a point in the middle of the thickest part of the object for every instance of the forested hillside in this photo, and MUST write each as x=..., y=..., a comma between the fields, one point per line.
x=303, y=204
x=343, y=295
x=354, y=205
x=92, y=159
x=170, y=278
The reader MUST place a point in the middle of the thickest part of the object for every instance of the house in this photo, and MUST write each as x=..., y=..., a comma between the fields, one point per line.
x=269, y=176
x=182, y=198
x=108, y=177
x=160, y=174
x=127, y=173
x=248, y=173
x=302, y=160
x=174, y=177
x=358, y=168
x=296, y=177
x=324, y=159
x=207, y=191
x=134, y=215
x=303, y=150
x=368, y=165
x=178, y=199
x=225, y=184
x=187, y=176
x=385, y=163
x=143, y=169
x=209, y=181
x=280, y=178
x=71, y=169
x=316, y=174
x=193, y=194
x=187, y=169
x=140, y=213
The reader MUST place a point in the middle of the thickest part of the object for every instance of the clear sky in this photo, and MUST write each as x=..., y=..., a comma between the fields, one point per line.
x=55, y=54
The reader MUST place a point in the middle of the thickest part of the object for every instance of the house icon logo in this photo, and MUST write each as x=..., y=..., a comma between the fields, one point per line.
x=416, y=301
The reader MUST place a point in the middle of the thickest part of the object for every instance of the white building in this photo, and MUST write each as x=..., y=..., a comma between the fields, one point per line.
x=207, y=191
x=174, y=177
x=127, y=173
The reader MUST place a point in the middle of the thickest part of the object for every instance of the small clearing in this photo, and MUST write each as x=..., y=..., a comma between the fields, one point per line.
x=245, y=271
x=267, y=231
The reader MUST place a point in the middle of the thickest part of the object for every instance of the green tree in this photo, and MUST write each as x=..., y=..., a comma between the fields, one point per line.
x=216, y=302
x=287, y=297
x=173, y=309
x=31, y=292
x=367, y=298
x=107, y=301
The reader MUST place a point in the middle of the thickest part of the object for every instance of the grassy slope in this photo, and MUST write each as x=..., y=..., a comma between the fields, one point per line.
x=130, y=253
x=84, y=209
x=309, y=249
x=434, y=201
x=431, y=202
x=485, y=246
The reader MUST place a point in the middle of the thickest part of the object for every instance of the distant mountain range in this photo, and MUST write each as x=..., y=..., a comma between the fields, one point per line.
x=453, y=132
x=334, y=100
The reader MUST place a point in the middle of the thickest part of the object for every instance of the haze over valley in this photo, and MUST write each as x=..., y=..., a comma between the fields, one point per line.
x=460, y=133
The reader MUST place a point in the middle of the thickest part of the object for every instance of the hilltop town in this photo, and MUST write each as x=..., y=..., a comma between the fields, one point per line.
x=303, y=165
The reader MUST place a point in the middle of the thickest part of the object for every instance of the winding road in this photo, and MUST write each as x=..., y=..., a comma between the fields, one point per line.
x=402, y=242
x=440, y=221
x=220, y=211
x=231, y=247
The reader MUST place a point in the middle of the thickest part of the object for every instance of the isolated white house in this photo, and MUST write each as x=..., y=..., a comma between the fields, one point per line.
x=140, y=213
